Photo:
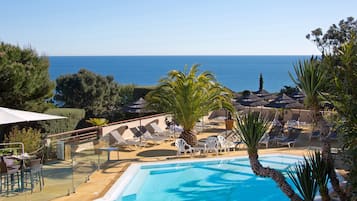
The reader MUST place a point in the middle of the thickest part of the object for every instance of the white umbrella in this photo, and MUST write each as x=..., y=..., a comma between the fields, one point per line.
x=8, y=116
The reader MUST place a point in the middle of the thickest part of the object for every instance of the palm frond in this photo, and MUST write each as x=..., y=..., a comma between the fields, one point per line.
x=251, y=127
x=302, y=177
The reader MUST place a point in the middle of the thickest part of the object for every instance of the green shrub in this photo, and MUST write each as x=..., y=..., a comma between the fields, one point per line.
x=74, y=116
x=31, y=138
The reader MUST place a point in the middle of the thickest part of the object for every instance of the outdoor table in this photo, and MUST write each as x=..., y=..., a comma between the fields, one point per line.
x=108, y=150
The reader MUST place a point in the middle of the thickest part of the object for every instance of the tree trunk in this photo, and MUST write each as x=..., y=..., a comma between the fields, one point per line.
x=326, y=155
x=279, y=178
x=190, y=137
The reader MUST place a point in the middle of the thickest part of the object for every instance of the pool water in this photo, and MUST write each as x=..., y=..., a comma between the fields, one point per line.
x=220, y=179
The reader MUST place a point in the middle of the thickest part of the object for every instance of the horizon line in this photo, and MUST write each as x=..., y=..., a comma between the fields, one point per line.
x=145, y=55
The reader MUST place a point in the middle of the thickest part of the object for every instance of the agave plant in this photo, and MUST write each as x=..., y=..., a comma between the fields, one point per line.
x=310, y=80
x=251, y=127
x=302, y=177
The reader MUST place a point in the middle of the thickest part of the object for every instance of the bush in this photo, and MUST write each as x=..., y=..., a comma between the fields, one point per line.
x=31, y=138
x=74, y=116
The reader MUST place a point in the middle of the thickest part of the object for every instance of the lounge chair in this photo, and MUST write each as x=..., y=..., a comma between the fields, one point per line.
x=211, y=144
x=183, y=147
x=332, y=136
x=290, y=140
x=272, y=135
x=235, y=139
x=145, y=135
x=120, y=141
x=315, y=134
x=265, y=140
x=224, y=144
x=159, y=132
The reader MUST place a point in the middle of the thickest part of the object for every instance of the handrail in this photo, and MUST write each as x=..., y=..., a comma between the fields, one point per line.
x=90, y=133
x=136, y=119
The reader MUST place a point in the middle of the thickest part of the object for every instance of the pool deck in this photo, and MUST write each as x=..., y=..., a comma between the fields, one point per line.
x=101, y=181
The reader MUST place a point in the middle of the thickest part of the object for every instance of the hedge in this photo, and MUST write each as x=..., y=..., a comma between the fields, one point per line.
x=74, y=116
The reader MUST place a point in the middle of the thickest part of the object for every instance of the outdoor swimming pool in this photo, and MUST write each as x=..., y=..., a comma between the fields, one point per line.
x=224, y=179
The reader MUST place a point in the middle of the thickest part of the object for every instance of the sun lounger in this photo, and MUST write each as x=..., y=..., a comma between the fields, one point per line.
x=332, y=136
x=315, y=134
x=234, y=138
x=265, y=140
x=120, y=141
x=145, y=135
x=159, y=132
x=290, y=140
x=271, y=136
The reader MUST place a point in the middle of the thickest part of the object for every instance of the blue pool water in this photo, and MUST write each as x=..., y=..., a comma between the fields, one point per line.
x=223, y=180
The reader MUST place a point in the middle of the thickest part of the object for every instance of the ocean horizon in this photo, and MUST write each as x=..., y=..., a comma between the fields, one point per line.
x=235, y=72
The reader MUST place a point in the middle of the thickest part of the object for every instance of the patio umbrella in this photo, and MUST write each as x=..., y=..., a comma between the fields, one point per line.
x=294, y=105
x=238, y=106
x=299, y=96
x=261, y=93
x=8, y=116
x=138, y=107
x=249, y=99
x=220, y=114
x=284, y=101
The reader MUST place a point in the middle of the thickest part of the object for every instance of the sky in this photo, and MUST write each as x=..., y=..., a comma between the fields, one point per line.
x=168, y=27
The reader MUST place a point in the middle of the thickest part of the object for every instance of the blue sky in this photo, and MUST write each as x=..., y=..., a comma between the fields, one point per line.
x=169, y=27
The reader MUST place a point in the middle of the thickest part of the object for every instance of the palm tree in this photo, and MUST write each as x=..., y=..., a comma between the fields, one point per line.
x=310, y=80
x=251, y=127
x=189, y=97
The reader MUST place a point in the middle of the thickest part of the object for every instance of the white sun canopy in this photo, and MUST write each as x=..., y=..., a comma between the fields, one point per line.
x=8, y=116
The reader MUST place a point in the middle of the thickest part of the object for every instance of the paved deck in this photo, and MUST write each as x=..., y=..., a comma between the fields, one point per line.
x=101, y=180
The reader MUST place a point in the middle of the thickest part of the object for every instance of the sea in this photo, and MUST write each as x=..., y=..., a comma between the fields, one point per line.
x=235, y=72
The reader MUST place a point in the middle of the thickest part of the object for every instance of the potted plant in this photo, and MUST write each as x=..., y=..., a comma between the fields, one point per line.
x=229, y=122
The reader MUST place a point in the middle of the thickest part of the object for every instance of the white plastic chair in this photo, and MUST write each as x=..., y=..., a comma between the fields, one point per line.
x=225, y=144
x=211, y=144
x=183, y=147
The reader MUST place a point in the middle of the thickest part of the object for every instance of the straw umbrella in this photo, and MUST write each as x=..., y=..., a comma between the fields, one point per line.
x=285, y=102
x=137, y=107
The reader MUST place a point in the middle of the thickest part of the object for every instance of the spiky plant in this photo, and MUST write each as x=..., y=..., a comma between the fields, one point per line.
x=302, y=177
x=310, y=79
x=320, y=170
x=251, y=127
